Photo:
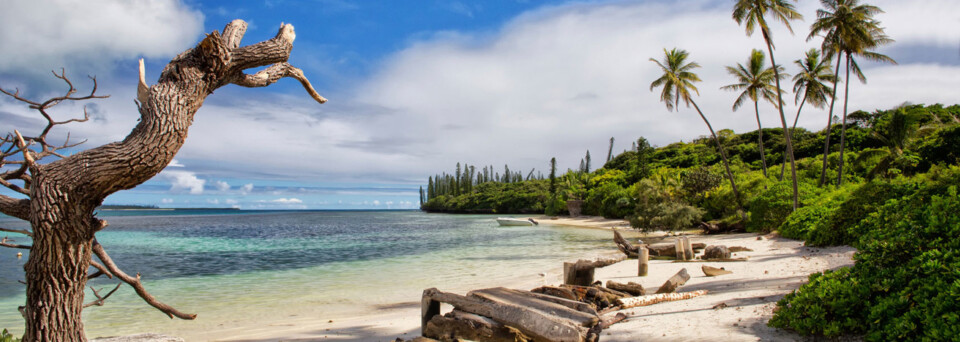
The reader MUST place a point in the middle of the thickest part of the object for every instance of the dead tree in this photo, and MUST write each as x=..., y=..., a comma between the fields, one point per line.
x=60, y=195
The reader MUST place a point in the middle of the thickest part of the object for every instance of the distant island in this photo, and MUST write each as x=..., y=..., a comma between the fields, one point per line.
x=151, y=207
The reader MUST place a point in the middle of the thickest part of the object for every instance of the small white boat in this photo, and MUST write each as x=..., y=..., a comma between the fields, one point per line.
x=508, y=221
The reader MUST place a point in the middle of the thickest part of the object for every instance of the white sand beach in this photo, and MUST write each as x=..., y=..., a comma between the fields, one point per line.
x=736, y=308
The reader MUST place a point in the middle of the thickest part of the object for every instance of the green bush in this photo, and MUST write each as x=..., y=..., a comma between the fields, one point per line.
x=770, y=209
x=940, y=148
x=905, y=284
x=5, y=336
x=813, y=214
x=840, y=228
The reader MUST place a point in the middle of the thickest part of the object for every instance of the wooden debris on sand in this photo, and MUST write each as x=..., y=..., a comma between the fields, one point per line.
x=631, y=288
x=526, y=316
x=632, y=302
x=658, y=249
x=675, y=281
x=714, y=260
x=736, y=249
x=581, y=272
x=716, y=252
x=713, y=271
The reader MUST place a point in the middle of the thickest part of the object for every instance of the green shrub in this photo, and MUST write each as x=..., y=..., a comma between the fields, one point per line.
x=5, y=336
x=770, y=209
x=840, y=228
x=940, y=148
x=905, y=284
x=813, y=214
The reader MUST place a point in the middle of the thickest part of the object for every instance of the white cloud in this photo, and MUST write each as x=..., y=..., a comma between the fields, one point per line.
x=42, y=35
x=175, y=163
x=222, y=186
x=166, y=200
x=287, y=200
x=181, y=181
x=246, y=188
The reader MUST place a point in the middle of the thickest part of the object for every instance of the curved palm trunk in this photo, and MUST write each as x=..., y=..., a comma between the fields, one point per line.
x=792, y=128
x=763, y=158
x=726, y=164
x=826, y=144
x=843, y=123
x=783, y=121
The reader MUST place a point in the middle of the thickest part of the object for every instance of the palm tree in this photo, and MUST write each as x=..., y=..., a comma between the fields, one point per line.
x=756, y=81
x=897, y=133
x=677, y=82
x=811, y=82
x=751, y=14
x=848, y=28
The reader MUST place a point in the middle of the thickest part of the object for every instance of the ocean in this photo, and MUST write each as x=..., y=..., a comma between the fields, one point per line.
x=233, y=266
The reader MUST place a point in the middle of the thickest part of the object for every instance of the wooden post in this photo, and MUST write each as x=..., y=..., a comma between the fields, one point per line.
x=687, y=249
x=678, y=247
x=428, y=309
x=644, y=265
x=675, y=281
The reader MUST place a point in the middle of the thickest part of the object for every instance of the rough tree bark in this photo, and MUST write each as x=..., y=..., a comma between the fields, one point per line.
x=62, y=195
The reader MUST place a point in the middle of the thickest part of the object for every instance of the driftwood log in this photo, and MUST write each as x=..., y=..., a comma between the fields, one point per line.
x=624, y=246
x=581, y=272
x=658, y=249
x=675, y=281
x=532, y=318
x=713, y=271
x=595, y=296
x=632, y=302
x=714, y=260
x=631, y=288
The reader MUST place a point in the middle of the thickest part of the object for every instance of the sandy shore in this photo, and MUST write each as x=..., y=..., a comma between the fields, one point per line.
x=736, y=309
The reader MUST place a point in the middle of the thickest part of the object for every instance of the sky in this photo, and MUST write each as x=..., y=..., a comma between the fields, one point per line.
x=418, y=86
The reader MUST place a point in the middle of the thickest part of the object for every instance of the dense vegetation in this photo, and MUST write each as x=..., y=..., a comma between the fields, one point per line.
x=884, y=182
x=898, y=205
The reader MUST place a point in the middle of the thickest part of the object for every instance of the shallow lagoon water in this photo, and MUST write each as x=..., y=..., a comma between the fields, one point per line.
x=232, y=267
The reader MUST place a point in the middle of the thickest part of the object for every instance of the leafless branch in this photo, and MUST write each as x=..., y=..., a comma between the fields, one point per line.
x=100, y=300
x=21, y=144
x=19, y=208
x=3, y=243
x=137, y=285
x=101, y=270
x=18, y=231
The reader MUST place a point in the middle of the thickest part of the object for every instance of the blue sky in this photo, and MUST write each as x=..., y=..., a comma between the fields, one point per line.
x=417, y=86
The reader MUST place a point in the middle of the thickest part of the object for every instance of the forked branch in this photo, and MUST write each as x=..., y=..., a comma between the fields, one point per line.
x=137, y=285
x=99, y=301
x=274, y=73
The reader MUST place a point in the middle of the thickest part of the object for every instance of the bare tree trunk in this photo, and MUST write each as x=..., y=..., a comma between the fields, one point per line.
x=826, y=144
x=763, y=158
x=792, y=129
x=64, y=193
x=783, y=120
x=726, y=164
x=843, y=122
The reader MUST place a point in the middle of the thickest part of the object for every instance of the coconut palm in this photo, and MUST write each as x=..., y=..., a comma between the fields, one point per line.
x=752, y=14
x=898, y=133
x=677, y=82
x=848, y=28
x=755, y=81
x=811, y=84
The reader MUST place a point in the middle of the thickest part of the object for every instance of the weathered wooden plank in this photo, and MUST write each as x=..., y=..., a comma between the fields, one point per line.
x=533, y=323
x=504, y=296
x=631, y=288
x=573, y=304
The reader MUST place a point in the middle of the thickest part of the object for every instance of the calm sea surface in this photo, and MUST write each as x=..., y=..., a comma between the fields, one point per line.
x=239, y=266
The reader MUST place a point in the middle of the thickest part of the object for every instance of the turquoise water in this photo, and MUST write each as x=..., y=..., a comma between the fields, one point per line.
x=232, y=267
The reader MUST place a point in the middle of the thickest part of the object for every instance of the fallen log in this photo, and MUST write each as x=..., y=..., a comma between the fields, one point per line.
x=581, y=272
x=669, y=249
x=713, y=271
x=631, y=288
x=675, y=281
x=736, y=249
x=600, y=297
x=459, y=325
x=633, y=302
x=532, y=323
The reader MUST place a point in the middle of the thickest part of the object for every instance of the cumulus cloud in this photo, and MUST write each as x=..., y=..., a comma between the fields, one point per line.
x=246, y=188
x=166, y=200
x=221, y=185
x=44, y=35
x=175, y=163
x=183, y=181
